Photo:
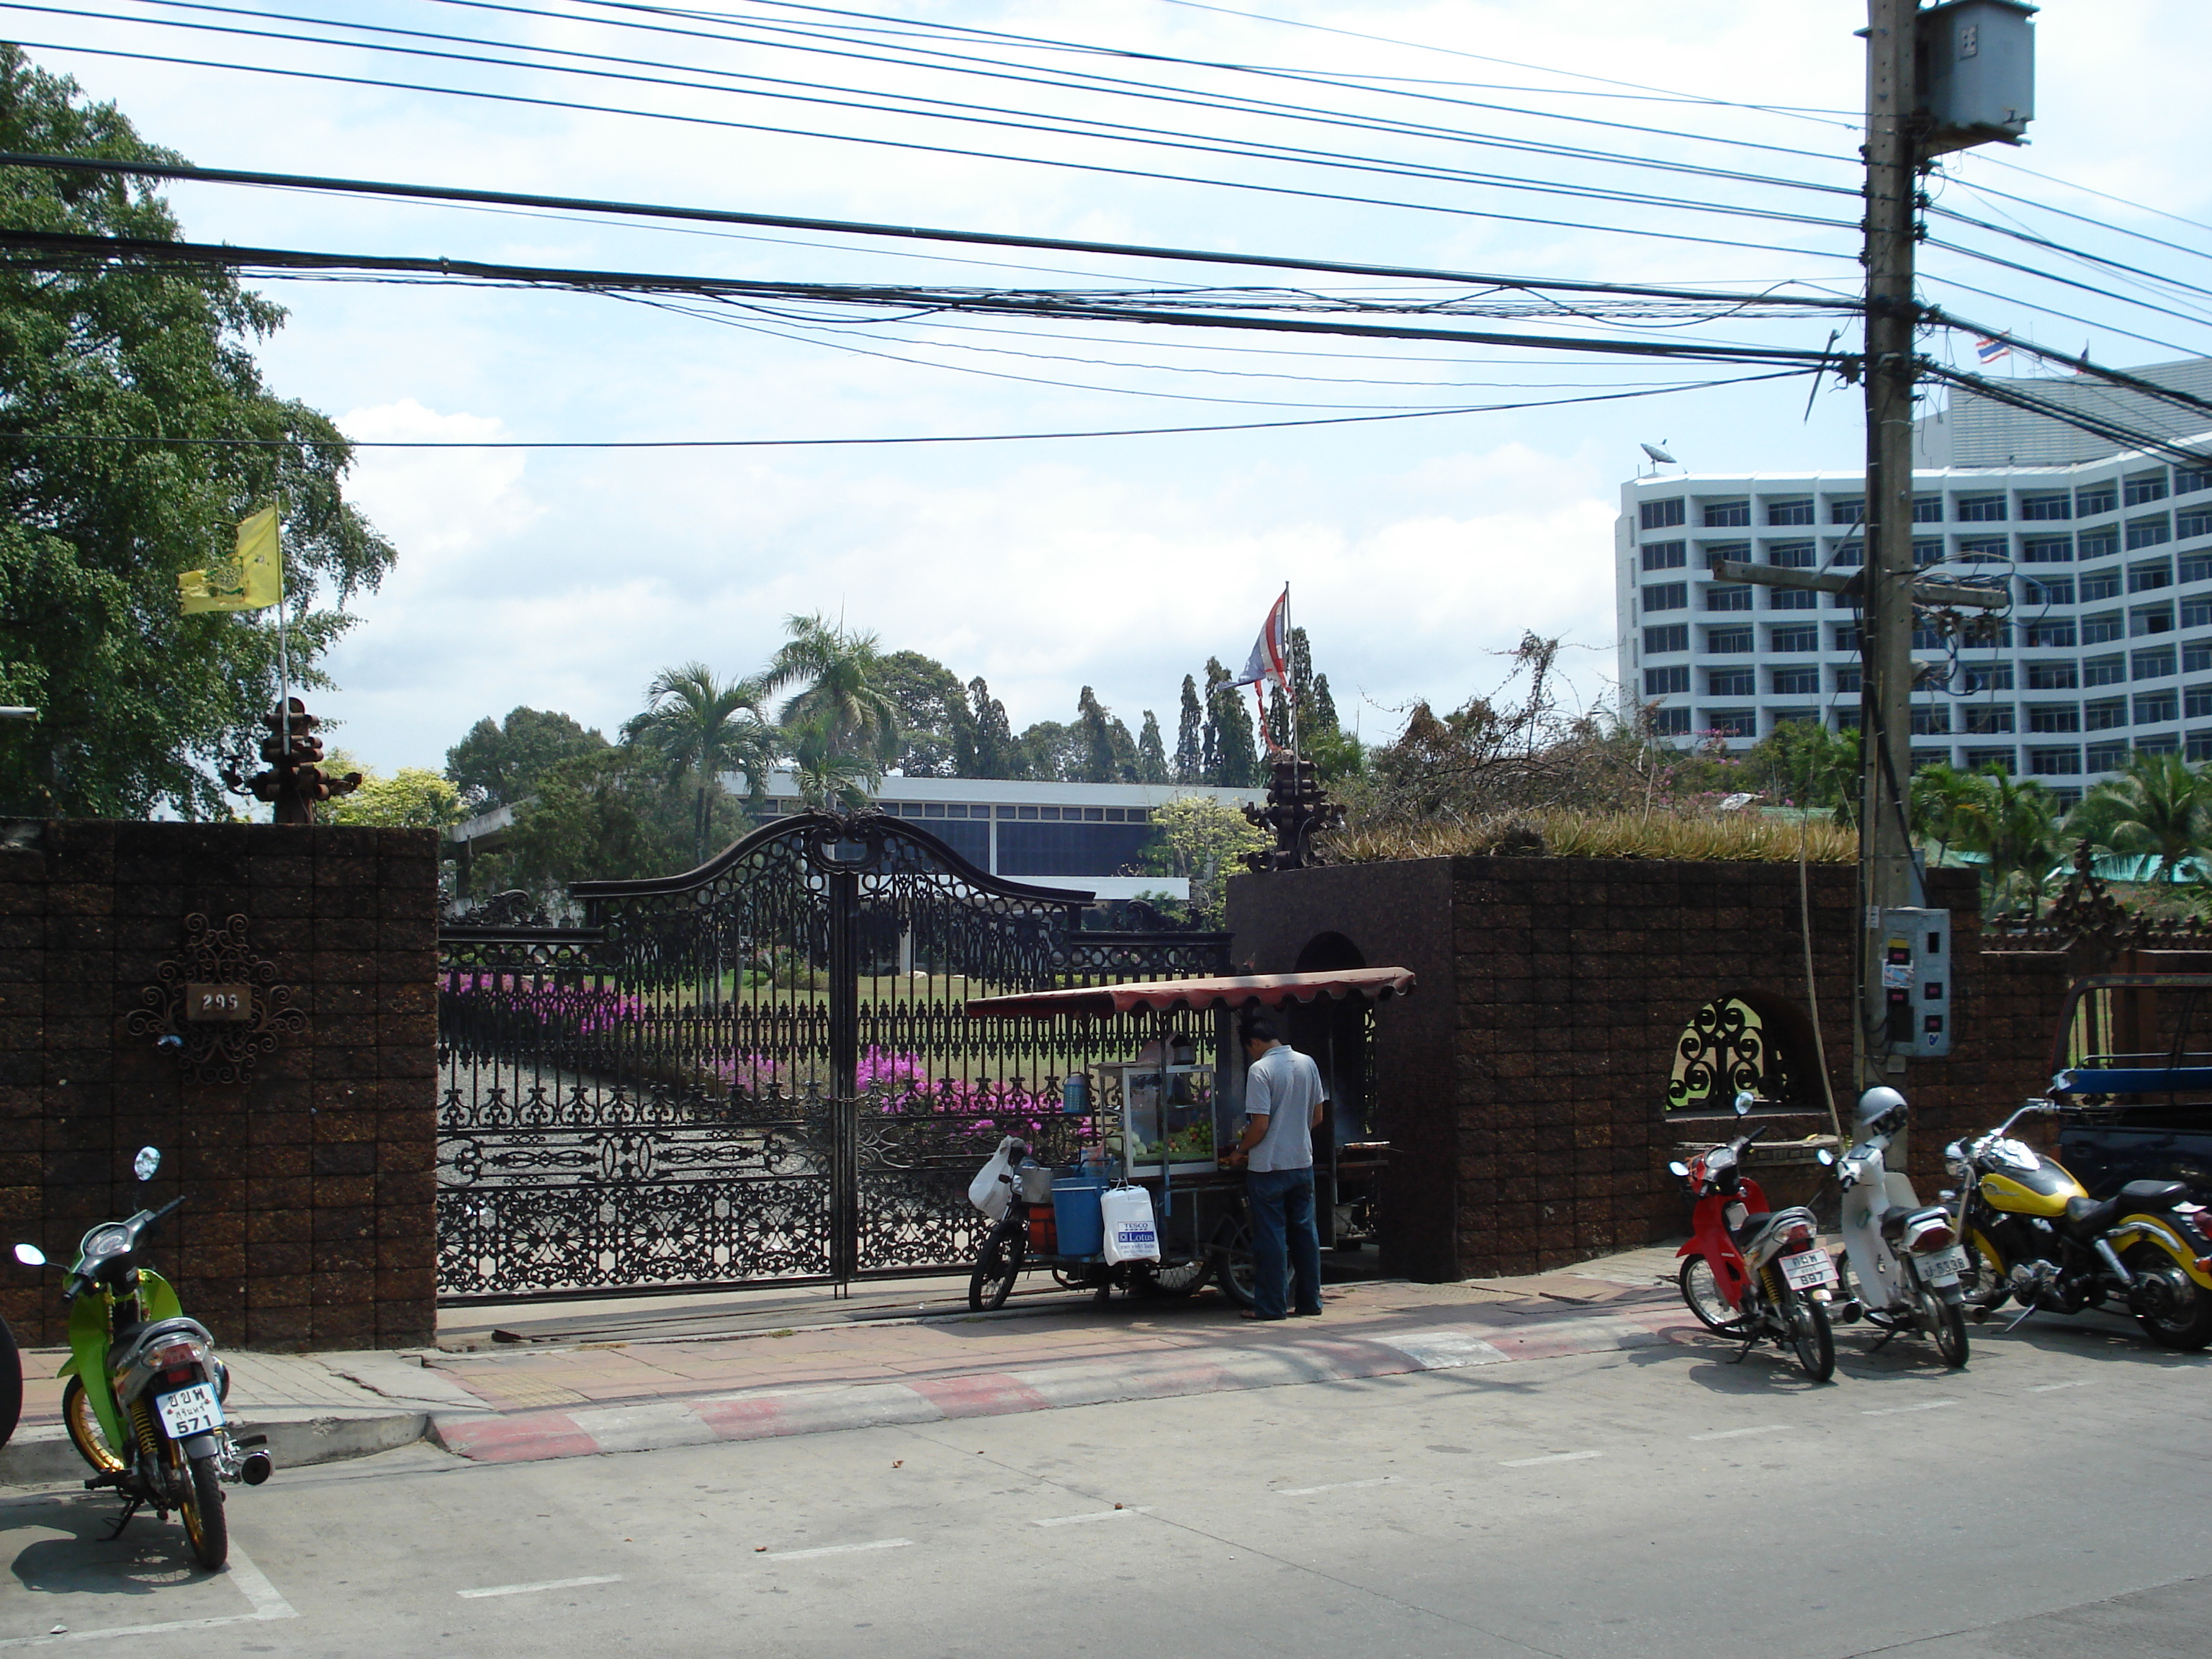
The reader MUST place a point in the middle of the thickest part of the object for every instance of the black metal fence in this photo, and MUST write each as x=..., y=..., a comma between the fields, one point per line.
x=761, y=1070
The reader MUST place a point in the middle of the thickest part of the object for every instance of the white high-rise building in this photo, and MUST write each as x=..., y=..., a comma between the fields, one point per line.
x=2106, y=646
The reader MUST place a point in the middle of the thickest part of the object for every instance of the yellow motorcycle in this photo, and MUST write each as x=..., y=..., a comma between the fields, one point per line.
x=2033, y=1234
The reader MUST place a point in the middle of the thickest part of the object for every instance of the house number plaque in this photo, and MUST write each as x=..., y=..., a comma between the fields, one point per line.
x=226, y=1002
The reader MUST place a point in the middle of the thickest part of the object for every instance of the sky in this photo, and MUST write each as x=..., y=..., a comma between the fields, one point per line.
x=1417, y=551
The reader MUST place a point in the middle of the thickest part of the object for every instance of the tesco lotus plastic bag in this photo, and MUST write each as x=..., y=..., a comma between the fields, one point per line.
x=993, y=1188
x=1130, y=1234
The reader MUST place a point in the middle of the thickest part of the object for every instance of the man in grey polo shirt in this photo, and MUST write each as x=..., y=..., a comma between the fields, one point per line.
x=1284, y=1098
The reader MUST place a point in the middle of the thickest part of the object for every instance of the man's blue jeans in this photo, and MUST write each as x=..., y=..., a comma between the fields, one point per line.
x=1285, y=1247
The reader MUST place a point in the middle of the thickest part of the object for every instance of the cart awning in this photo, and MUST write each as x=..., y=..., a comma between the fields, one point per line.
x=1228, y=991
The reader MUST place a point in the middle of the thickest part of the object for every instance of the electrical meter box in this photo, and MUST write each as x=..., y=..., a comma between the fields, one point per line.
x=1976, y=73
x=1915, y=980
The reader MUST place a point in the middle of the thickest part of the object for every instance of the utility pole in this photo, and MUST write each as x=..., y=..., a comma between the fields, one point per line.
x=1887, y=878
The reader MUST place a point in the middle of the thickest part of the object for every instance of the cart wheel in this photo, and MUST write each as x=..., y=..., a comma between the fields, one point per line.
x=998, y=1267
x=1167, y=1279
x=1232, y=1261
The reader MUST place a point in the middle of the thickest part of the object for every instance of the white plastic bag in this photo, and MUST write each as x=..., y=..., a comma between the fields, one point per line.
x=1130, y=1234
x=992, y=1190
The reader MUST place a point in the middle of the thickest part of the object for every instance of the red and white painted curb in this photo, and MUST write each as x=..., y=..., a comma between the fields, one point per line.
x=766, y=1414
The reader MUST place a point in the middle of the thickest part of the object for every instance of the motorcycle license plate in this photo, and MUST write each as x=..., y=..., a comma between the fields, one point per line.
x=1808, y=1269
x=191, y=1410
x=1943, y=1267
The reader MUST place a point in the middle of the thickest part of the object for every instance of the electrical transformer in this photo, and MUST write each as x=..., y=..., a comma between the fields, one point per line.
x=1976, y=79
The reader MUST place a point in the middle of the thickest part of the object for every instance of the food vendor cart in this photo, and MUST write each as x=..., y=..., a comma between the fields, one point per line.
x=1157, y=1120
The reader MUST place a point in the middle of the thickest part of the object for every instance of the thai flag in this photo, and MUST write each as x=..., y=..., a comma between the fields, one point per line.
x=1990, y=350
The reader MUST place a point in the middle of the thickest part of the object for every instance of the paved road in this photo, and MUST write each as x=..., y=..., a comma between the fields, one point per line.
x=1627, y=1505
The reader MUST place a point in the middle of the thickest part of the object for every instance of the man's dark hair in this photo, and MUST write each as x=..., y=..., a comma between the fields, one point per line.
x=1258, y=1028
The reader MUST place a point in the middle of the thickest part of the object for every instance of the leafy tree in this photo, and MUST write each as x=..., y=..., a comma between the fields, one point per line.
x=413, y=797
x=1201, y=840
x=700, y=727
x=496, y=764
x=1234, y=760
x=1324, y=706
x=850, y=722
x=605, y=815
x=136, y=703
x=1190, y=736
x=936, y=730
x=996, y=754
x=1109, y=755
x=2158, y=805
x=1051, y=752
x=1151, y=755
x=1803, y=763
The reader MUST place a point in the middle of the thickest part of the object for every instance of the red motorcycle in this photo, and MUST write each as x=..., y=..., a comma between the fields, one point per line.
x=1753, y=1273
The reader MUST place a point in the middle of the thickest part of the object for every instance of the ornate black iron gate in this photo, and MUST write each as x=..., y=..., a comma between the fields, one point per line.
x=761, y=1070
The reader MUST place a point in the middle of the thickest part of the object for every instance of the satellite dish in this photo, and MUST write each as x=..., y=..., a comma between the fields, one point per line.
x=1658, y=455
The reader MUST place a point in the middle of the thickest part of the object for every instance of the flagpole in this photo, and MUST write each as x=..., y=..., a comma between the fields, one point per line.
x=1291, y=662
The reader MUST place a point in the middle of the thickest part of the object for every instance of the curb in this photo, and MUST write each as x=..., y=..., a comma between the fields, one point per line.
x=43, y=1457
x=768, y=1413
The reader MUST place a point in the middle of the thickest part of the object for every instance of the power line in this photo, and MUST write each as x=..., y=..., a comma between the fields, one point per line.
x=1099, y=168
x=815, y=443
x=916, y=233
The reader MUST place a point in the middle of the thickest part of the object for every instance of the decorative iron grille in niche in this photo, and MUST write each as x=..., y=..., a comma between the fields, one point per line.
x=215, y=1004
x=1728, y=1047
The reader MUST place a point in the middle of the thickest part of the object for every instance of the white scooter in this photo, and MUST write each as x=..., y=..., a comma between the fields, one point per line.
x=1903, y=1258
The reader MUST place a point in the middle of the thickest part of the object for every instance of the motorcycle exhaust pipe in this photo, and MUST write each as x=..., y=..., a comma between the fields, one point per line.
x=256, y=1468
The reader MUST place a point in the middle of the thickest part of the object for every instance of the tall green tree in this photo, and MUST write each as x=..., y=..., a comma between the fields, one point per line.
x=1190, y=736
x=936, y=736
x=840, y=713
x=700, y=727
x=138, y=704
x=1235, y=762
x=996, y=754
x=1324, y=706
x=499, y=762
x=1109, y=755
x=1052, y=753
x=1152, y=753
x=2158, y=805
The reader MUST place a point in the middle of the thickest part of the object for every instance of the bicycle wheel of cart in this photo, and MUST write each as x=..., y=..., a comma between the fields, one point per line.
x=1232, y=1261
x=998, y=1267
x=1172, y=1278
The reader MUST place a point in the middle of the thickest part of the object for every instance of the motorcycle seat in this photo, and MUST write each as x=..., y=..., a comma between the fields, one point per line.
x=1893, y=1219
x=131, y=1337
x=1749, y=1229
x=2087, y=1217
x=2153, y=1195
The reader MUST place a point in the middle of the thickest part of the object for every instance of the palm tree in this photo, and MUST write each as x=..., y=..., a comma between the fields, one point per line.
x=1940, y=796
x=698, y=724
x=2158, y=805
x=2014, y=823
x=840, y=714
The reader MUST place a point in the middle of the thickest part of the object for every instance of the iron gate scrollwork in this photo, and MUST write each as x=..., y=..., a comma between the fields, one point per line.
x=761, y=1069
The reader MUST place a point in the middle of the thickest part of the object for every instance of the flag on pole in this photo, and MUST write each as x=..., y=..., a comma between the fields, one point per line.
x=1990, y=350
x=254, y=581
x=1271, y=651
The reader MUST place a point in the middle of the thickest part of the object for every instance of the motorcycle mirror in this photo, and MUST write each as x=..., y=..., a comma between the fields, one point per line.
x=30, y=1255
x=1745, y=1100
x=148, y=1161
x=1827, y=1159
x=1677, y=1168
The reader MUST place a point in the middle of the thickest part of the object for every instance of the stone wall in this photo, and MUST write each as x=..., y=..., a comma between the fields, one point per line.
x=310, y=1195
x=1523, y=1086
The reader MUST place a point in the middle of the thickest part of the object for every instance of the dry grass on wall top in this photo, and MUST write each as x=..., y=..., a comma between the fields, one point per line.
x=1740, y=835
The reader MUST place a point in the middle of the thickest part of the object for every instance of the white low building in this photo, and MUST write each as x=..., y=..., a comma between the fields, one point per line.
x=2106, y=646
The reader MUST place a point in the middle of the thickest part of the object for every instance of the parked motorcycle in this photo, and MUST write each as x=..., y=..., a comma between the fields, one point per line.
x=1904, y=1259
x=144, y=1404
x=2035, y=1237
x=1753, y=1273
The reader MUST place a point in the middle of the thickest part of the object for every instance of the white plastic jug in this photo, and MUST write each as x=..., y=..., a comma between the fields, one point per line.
x=1130, y=1234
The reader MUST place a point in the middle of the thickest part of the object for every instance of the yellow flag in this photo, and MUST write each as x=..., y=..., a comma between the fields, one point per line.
x=254, y=582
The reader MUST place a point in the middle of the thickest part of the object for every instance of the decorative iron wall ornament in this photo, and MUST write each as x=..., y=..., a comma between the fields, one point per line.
x=761, y=1069
x=2088, y=920
x=1298, y=810
x=216, y=1004
x=1725, y=1049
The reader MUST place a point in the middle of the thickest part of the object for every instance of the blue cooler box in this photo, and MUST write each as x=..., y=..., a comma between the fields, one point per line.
x=1075, y=1213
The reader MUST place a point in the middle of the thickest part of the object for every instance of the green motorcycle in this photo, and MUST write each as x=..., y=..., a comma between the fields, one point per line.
x=144, y=1401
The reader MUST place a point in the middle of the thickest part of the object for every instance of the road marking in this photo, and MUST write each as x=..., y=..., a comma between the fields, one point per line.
x=249, y=1579
x=1549, y=1457
x=1921, y=1406
x=543, y=1584
x=2053, y=1388
x=1092, y=1514
x=1731, y=1434
x=836, y=1549
x=1334, y=1486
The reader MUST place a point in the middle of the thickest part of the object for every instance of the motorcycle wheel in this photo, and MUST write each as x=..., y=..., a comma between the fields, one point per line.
x=84, y=1428
x=1946, y=1319
x=998, y=1267
x=1703, y=1294
x=200, y=1508
x=1165, y=1280
x=1812, y=1338
x=2179, y=1315
x=1233, y=1262
x=11, y=1384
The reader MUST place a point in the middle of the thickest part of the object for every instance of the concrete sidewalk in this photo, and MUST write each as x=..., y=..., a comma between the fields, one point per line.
x=718, y=1371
